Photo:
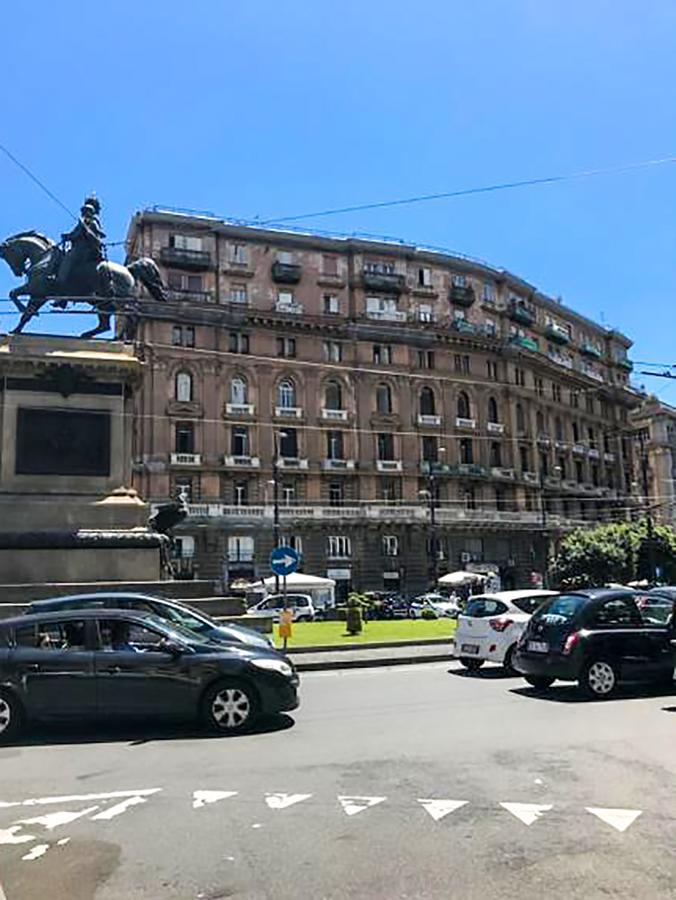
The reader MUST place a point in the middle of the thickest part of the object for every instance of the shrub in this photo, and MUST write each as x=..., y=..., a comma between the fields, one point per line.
x=354, y=620
x=428, y=614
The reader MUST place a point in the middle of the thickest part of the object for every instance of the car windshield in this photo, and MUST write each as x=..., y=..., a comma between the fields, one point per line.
x=481, y=607
x=173, y=630
x=561, y=609
x=188, y=619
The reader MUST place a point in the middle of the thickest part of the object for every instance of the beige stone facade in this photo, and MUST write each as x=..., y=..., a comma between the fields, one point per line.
x=654, y=426
x=379, y=364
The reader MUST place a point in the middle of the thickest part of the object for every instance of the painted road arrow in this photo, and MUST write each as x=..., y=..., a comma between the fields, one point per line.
x=353, y=805
x=619, y=819
x=440, y=808
x=526, y=812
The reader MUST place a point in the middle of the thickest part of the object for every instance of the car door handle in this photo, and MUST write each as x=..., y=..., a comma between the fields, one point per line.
x=112, y=670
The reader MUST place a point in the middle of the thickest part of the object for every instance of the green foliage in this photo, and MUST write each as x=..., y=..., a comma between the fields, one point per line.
x=617, y=553
x=354, y=620
x=428, y=614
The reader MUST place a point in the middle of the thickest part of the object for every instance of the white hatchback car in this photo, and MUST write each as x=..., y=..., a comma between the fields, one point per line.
x=491, y=625
x=301, y=604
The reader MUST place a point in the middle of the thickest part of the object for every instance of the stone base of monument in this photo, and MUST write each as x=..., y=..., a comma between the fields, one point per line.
x=67, y=513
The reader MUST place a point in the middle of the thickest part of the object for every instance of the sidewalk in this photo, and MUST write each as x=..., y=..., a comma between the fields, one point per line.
x=313, y=660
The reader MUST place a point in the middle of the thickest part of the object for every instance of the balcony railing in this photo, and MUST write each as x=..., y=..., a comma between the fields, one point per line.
x=428, y=419
x=593, y=453
x=386, y=315
x=286, y=273
x=239, y=409
x=294, y=309
x=560, y=359
x=579, y=450
x=464, y=327
x=526, y=343
x=240, y=556
x=186, y=459
x=590, y=349
x=503, y=473
x=625, y=364
x=388, y=465
x=531, y=477
x=609, y=457
x=519, y=312
x=195, y=260
x=334, y=415
x=292, y=462
x=495, y=428
x=242, y=462
x=338, y=464
x=187, y=296
x=289, y=412
x=557, y=333
x=462, y=295
x=591, y=372
x=386, y=282
x=469, y=424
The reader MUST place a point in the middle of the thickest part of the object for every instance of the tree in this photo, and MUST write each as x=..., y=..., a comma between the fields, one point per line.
x=614, y=553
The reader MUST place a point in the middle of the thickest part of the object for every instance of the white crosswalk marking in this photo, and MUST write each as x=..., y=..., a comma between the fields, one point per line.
x=53, y=820
x=10, y=836
x=203, y=798
x=118, y=809
x=354, y=804
x=440, y=808
x=282, y=801
x=527, y=812
x=619, y=819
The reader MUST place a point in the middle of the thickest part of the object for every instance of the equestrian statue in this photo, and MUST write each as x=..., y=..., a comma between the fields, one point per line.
x=77, y=271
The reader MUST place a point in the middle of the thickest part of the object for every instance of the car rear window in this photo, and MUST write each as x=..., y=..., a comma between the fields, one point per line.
x=561, y=609
x=484, y=606
x=529, y=604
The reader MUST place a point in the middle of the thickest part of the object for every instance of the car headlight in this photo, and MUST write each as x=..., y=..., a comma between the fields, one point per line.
x=273, y=665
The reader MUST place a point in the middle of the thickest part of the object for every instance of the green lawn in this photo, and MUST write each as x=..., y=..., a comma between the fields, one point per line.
x=307, y=634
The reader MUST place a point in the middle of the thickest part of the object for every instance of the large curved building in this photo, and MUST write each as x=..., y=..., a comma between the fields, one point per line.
x=414, y=411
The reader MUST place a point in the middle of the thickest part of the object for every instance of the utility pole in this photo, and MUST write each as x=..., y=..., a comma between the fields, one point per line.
x=648, y=511
x=275, y=494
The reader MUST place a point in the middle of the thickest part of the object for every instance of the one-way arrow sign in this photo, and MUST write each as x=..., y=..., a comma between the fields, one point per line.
x=284, y=560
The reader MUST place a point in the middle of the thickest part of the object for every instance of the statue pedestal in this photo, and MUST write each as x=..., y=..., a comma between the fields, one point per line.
x=65, y=456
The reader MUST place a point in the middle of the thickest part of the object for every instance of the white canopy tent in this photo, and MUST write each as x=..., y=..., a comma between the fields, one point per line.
x=453, y=579
x=320, y=589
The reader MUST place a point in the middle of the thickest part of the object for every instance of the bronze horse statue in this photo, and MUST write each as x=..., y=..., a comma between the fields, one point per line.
x=107, y=286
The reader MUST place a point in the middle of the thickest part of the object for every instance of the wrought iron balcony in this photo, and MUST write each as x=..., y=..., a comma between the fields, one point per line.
x=558, y=334
x=625, y=364
x=590, y=349
x=389, y=465
x=462, y=295
x=186, y=459
x=526, y=343
x=385, y=282
x=242, y=462
x=495, y=427
x=286, y=273
x=464, y=327
x=195, y=260
x=521, y=313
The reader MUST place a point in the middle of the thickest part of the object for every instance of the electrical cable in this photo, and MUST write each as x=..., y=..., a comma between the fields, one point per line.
x=37, y=181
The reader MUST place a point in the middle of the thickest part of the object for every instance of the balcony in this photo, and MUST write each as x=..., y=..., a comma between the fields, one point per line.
x=292, y=462
x=590, y=349
x=560, y=359
x=389, y=465
x=178, y=258
x=461, y=295
x=285, y=273
x=579, y=450
x=557, y=333
x=464, y=327
x=521, y=313
x=569, y=485
x=591, y=372
x=434, y=467
x=429, y=420
x=186, y=459
x=502, y=473
x=609, y=457
x=625, y=364
x=383, y=282
x=334, y=415
x=338, y=465
x=187, y=296
x=553, y=481
x=525, y=343
x=593, y=453
x=289, y=412
x=386, y=315
x=239, y=409
x=495, y=428
x=242, y=462
x=530, y=477
x=469, y=470
x=468, y=424
x=293, y=309
x=544, y=440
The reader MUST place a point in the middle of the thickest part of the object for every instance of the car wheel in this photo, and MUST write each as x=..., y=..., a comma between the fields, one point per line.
x=508, y=662
x=539, y=682
x=229, y=706
x=472, y=665
x=11, y=717
x=598, y=679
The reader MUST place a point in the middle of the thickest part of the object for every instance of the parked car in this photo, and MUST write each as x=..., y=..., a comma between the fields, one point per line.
x=491, y=624
x=92, y=663
x=170, y=610
x=599, y=638
x=440, y=605
x=396, y=607
x=301, y=604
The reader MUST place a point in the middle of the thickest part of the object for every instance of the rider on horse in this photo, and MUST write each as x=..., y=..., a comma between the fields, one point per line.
x=86, y=247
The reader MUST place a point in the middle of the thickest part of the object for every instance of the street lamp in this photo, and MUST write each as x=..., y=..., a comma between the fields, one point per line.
x=429, y=494
x=648, y=512
x=277, y=437
x=543, y=517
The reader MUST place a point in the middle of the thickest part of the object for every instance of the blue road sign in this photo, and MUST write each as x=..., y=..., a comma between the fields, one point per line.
x=284, y=560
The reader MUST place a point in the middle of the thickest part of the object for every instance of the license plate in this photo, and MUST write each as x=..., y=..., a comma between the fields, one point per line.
x=538, y=646
x=469, y=648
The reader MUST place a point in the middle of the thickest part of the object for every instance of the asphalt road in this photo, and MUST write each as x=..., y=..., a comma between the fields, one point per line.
x=327, y=804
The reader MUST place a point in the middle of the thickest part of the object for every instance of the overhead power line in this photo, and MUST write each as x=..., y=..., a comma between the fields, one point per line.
x=37, y=181
x=484, y=189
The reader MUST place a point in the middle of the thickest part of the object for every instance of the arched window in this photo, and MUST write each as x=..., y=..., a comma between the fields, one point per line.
x=576, y=433
x=493, y=415
x=286, y=393
x=520, y=419
x=239, y=390
x=383, y=398
x=558, y=429
x=427, y=405
x=463, y=406
x=183, y=387
x=496, y=455
x=333, y=395
x=540, y=423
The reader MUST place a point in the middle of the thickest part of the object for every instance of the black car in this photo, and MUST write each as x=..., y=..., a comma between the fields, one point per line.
x=598, y=638
x=169, y=610
x=95, y=663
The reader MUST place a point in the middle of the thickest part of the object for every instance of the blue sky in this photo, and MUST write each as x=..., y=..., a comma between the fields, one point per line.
x=271, y=109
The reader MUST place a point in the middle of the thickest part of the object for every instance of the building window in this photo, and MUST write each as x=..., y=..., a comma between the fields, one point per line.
x=183, y=387
x=461, y=363
x=520, y=419
x=288, y=494
x=286, y=346
x=336, y=493
x=427, y=404
x=185, y=486
x=285, y=301
x=556, y=392
x=524, y=455
x=464, y=410
x=383, y=399
x=338, y=546
x=333, y=395
x=425, y=313
x=590, y=403
x=579, y=472
x=239, y=391
x=286, y=394
x=185, y=242
x=558, y=430
x=544, y=465
x=390, y=545
x=285, y=257
x=424, y=278
x=382, y=354
x=333, y=351
x=240, y=549
x=238, y=342
x=330, y=265
x=425, y=359
x=185, y=437
x=240, y=493
x=500, y=499
x=331, y=307
x=595, y=475
x=470, y=498
x=183, y=336
x=519, y=377
x=459, y=281
x=385, y=446
x=239, y=294
x=574, y=398
x=493, y=415
x=561, y=462
x=576, y=433
x=378, y=267
x=334, y=445
x=239, y=443
x=430, y=448
x=295, y=541
x=591, y=437
x=496, y=455
x=288, y=443
x=539, y=386
x=488, y=292
x=540, y=424
x=238, y=254
x=466, y=451
x=491, y=370
x=188, y=284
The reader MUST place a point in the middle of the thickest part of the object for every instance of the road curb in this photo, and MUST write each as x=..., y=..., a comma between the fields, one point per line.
x=375, y=645
x=328, y=665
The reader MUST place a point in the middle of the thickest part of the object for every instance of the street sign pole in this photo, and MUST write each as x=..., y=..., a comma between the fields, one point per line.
x=284, y=605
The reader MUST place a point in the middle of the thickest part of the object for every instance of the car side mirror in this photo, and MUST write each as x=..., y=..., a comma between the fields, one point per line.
x=169, y=646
